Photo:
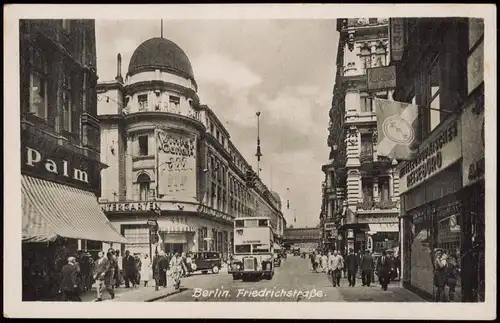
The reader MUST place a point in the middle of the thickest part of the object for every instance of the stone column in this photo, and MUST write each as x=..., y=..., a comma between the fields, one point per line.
x=391, y=183
x=353, y=187
x=128, y=168
x=395, y=186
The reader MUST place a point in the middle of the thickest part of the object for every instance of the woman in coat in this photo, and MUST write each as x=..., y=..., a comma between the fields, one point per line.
x=146, y=270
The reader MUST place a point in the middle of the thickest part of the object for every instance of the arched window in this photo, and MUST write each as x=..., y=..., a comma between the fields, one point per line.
x=365, y=55
x=381, y=56
x=144, y=182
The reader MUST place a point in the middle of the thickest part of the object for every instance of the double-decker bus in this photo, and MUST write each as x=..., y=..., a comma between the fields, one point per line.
x=253, y=248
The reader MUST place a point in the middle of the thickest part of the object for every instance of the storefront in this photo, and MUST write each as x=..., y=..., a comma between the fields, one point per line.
x=431, y=206
x=473, y=198
x=183, y=227
x=60, y=212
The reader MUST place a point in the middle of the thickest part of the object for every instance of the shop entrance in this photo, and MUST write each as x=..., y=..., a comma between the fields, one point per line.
x=175, y=247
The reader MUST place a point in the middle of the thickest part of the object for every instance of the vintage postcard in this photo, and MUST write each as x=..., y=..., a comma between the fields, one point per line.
x=315, y=161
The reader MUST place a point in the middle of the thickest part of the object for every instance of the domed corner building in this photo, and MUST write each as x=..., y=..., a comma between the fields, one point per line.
x=154, y=141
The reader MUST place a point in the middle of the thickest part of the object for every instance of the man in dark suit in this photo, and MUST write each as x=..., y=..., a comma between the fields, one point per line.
x=383, y=270
x=351, y=264
x=69, y=281
x=103, y=274
x=129, y=269
x=366, y=268
x=163, y=267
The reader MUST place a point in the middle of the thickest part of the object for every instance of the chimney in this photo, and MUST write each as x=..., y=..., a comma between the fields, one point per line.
x=119, y=77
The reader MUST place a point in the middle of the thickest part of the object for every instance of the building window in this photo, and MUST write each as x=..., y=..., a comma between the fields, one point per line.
x=432, y=108
x=205, y=241
x=200, y=239
x=383, y=188
x=217, y=135
x=38, y=84
x=136, y=234
x=220, y=206
x=220, y=247
x=366, y=144
x=366, y=104
x=380, y=56
x=215, y=241
x=144, y=182
x=366, y=58
x=223, y=141
x=143, y=145
x=225, y=242
x=367, y=187
x=143, y=102
x=211, y=129
x=174, y=103
x=67, y=102
x=214, y=195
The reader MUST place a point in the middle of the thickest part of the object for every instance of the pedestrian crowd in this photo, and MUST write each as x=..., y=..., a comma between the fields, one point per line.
x=357, y=265
x=111, y=270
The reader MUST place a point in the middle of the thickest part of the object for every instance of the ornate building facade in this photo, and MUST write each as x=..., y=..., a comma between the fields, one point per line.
x=361, y=188
x=60, y=151
x=171, y=159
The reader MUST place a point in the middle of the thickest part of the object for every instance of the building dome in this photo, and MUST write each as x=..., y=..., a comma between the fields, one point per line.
x=276, y=196
x=163, y=54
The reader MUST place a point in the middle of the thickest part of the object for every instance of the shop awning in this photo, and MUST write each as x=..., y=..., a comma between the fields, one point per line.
x=383, y=227
x=52, y=210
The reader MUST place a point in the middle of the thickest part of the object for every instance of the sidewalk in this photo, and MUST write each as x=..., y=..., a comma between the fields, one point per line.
x=134, y=294
x=374, y=293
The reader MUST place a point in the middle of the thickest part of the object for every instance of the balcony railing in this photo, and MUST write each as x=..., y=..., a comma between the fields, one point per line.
x=377, y=205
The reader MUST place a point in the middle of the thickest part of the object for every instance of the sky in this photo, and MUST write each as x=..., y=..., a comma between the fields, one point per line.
x=283, y=68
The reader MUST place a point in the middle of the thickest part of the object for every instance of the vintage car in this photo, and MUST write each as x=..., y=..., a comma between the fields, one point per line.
x=205, y=261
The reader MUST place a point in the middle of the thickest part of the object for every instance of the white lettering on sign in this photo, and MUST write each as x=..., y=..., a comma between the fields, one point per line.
x=396, y=35
x=440, y=151
x=215, y=213
x=176, y=158
x=33, y=158
x=473, y=144
x=132, y=207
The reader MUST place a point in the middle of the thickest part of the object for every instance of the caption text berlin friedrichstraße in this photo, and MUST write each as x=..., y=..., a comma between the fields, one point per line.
x=274, y=292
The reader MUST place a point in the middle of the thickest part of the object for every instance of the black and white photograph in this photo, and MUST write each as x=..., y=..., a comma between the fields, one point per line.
x=318, y=161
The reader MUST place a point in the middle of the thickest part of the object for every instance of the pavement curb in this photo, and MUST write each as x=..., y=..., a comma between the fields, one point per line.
x=152, y=299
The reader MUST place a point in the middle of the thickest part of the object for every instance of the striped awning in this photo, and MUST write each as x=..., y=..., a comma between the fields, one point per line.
x=52, y=210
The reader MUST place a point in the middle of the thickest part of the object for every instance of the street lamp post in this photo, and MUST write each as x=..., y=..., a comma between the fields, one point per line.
x=258, y=154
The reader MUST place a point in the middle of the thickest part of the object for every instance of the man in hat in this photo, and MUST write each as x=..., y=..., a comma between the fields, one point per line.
x=383, y=270
x=366, y=268
x=351, y=263
x=440, y=271
x=69, y=281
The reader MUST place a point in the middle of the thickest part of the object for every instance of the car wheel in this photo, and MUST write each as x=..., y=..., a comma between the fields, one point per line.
x=215, y=269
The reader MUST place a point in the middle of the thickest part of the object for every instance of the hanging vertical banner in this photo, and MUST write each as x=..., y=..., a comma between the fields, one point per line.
x=397, y=128
x=176, y=164
x=396, y=36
